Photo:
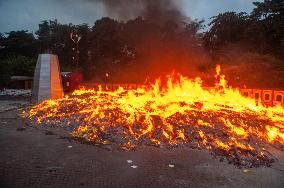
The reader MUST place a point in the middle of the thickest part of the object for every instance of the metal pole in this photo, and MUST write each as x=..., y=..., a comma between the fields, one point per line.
x=77, y=55
x=75, y=37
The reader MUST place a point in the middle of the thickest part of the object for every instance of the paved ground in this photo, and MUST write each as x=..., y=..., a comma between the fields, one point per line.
x=34, y=157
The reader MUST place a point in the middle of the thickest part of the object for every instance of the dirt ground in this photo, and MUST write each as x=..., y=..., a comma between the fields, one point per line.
x=39, y=157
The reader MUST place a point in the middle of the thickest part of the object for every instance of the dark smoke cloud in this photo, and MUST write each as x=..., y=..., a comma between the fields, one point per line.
x=159, y=48
x=158, y=11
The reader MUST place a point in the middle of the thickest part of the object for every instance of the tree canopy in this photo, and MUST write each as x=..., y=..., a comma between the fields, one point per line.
x=262, y=29
x=138, y=48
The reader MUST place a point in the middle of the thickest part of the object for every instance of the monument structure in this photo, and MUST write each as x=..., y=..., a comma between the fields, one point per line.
x=47, y=79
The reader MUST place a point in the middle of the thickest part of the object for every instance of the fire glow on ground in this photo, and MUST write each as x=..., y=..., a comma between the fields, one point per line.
x=181, y=114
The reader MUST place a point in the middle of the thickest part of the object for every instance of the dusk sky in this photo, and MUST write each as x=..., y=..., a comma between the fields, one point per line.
x=27, y=14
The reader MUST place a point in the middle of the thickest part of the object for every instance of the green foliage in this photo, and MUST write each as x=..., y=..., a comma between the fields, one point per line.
x=226, y=27
x=5, y=73
x=141, y=46
x=1, y=38
x=268, y=20
x=18, y=51
x=19, y=65
x=54, y=37
x=15, y=65
x=262, y=29
x=18, y=42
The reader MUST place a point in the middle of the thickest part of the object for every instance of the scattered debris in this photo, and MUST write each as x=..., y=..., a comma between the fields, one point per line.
x=8, y=105
x=129, y=161
x=134, y=166
x=21, y=129
x=220, y=120
x=171, y=165
x=15, y=92
x=70, y=139
x=127, y=146
x=53, y=168
x=69, y=146
x=49, y=133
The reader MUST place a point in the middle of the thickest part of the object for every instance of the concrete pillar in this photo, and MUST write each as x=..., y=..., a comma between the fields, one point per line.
x=47, y=79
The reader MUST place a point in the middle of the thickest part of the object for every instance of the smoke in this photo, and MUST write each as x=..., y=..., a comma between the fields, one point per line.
x=155, y=32
x=158, y=38
x=158, y=11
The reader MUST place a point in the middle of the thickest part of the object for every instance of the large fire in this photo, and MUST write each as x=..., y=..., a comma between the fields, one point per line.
x=182, y=113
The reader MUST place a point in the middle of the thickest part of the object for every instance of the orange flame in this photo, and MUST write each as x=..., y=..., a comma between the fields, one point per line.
x=172, y=115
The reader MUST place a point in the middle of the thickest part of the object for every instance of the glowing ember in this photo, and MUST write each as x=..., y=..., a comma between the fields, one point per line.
x=182, y=113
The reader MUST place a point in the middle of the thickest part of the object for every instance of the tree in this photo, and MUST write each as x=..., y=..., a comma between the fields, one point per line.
x=54, y=37
x=85, y=57
x=5, y=73
x=15, y=65
x=106, y=44
x=225, y=28
x=2, y=40
x=44, y=35
x=262, y=29
x=266, y=26
x=19, y=42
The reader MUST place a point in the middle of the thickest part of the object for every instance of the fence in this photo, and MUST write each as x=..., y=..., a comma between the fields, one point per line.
x=269, y=97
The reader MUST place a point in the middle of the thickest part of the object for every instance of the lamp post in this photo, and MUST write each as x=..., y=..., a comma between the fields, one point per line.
x=75, y=37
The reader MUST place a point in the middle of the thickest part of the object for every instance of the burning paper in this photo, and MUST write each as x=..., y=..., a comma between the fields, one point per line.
x=183, y=113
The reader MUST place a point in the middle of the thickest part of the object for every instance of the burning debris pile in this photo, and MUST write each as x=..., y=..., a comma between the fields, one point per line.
x=180, y=114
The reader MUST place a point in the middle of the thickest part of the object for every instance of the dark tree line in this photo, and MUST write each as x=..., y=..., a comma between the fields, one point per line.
x=263, y=29
x=136, y=49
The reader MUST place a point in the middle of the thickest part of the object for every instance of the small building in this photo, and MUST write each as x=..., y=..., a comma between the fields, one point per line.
x=21, y=82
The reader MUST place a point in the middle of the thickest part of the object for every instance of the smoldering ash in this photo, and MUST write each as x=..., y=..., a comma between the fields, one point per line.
x=180, y=114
